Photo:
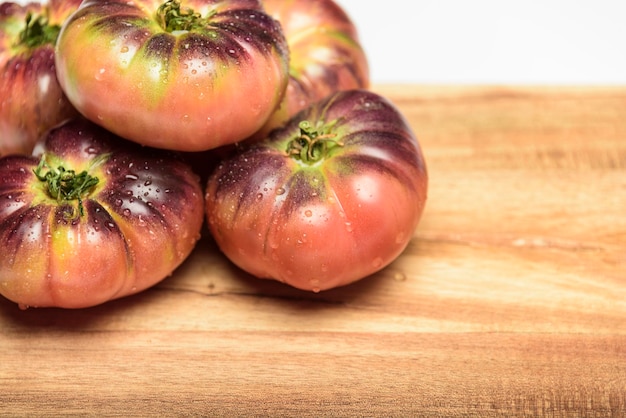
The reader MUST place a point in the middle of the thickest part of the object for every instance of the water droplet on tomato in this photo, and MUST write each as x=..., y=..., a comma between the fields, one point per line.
x=100, y=74
x=349, y=227
x=259, y=196
x=126, y=212
x=124, y=49
x=315, y=284
x=186, y=119
x=377, y=263
x=280, y=191
x=308, y=213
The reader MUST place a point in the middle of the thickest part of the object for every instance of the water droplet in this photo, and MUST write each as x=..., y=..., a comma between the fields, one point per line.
x=308, y=213
x=259, y=196
x=124, y=49
x=377, y=263
x=100, y=74
x=349, y=227
x=399, y=277
x=280, y=191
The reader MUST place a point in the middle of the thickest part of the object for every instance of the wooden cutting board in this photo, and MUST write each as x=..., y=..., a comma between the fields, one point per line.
x=509, y=301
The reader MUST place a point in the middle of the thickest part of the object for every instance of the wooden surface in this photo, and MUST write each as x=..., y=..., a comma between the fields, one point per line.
x=510, y=300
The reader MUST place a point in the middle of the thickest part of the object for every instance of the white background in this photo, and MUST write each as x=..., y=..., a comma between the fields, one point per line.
x=493, y=41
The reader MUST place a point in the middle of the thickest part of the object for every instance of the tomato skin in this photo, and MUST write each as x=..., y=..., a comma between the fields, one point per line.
x=138, y=223
x=187, y=90
x=31, y=99
x=330, y=223
x=326, y=55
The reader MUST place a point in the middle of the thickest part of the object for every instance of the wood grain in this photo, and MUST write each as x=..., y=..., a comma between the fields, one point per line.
x=509, y=300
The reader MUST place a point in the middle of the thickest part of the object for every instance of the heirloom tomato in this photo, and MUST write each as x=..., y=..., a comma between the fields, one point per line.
x=326, y=55
x=331, y=197
x=186, y=75
x=92, y=217
x=31, y=99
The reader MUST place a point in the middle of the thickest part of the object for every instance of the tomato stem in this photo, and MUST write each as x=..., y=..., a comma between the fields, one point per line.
x=172, y=18
x=65, y=185
x=38, y=32
x=314, y=142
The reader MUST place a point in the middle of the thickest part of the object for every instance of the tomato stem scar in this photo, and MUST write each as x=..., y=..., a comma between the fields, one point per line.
x=172, y=18
x=65, y=185
x=38, y=32
x=314, y=142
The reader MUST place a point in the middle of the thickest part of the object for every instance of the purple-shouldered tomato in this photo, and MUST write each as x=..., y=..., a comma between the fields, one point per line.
x=187, y=75
x=92, y=217
x=330, y=198
x=31, y=99
x=326, y=54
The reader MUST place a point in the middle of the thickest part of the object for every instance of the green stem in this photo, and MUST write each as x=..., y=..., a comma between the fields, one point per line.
x=172, y=17
x=314, y=142
x=65, y=185
x=38, y=32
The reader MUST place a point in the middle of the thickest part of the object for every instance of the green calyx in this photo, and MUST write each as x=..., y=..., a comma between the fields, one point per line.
x=65, y=185
x=38, y=32
x=173, y=18
x=314, y=142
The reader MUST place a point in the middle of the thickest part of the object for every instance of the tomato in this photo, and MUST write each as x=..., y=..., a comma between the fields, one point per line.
x=91, y=217
x=31, y=99
x=188, y=76
x=326, y=55
x=332, y=197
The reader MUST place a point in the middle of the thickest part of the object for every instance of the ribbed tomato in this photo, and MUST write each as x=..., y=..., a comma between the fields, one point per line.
x=332, y=197
x=326, y=54
x=187, y=75
x=91, y=217
x=31, y=99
